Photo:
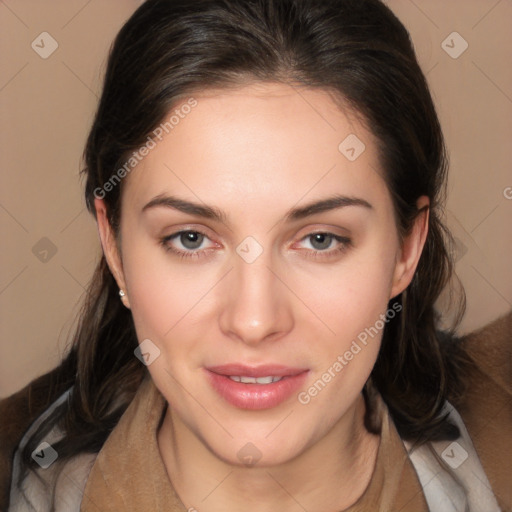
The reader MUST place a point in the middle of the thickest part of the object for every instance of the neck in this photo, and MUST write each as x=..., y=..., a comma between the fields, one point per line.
x=331, y=474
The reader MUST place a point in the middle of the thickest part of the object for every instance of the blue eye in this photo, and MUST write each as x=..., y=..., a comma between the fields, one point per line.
x=186, y=244
x=325, y=245
x=191, y=244
x=321, y=241
x=191, y=239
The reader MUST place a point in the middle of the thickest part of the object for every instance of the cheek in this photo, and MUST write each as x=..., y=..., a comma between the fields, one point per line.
x=158, y=293
x=336, y=301
x=351, y=296
x=351, y=300
x=353, y=307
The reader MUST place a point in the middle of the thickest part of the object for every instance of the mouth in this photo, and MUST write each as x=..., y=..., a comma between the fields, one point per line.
x=260, y=387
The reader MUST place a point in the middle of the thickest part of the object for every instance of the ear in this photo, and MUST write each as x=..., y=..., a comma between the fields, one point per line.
x=110, y=248
x=412, y=247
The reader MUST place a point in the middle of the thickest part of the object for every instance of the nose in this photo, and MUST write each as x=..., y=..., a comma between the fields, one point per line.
x=256, y=307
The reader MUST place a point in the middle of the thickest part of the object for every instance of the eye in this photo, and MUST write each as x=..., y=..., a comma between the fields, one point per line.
x=320, y=241
x=323, y=244
x=194, y=244
x=190, y=239
x=186, y=243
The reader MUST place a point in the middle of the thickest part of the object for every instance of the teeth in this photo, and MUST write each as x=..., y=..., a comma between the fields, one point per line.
x=255, y=380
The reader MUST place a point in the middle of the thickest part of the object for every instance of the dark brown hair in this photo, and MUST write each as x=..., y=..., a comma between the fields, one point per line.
x=356, y=49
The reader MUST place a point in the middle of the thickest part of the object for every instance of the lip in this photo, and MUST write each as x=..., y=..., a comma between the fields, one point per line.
x=276, y=370
x=255, y=396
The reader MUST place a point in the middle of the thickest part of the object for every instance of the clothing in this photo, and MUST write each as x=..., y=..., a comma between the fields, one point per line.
x=393, y=486
x=129, y=474
x=143, y=418
x=135, y=479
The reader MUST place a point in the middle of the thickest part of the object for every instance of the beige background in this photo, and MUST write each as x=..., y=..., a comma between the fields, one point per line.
x=47, y=106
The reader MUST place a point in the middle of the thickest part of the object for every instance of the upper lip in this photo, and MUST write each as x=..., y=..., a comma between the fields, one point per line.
x=265, y=370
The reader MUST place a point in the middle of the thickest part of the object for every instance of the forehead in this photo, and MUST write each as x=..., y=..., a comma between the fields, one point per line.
x=264, y=140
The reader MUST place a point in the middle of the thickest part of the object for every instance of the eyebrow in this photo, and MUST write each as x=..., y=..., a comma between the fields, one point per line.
x=213, y=213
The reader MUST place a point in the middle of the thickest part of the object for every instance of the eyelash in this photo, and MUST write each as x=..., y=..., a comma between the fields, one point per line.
x=345, y=244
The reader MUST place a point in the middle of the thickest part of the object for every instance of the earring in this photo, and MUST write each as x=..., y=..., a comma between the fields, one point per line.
x=124, y=298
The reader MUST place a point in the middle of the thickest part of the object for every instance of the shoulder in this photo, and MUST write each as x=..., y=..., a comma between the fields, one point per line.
x=66, y=482
x=486, y=407
x=17, y=413
x=473, y=471
x=490, y=348
x=54, y=484
x=488, y=399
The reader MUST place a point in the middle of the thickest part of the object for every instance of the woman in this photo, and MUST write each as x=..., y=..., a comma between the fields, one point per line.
x=267, y=179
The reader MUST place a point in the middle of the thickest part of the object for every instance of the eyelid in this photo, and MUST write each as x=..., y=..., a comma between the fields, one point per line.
x=320, y=227
x=184, y=226
x=326, y=229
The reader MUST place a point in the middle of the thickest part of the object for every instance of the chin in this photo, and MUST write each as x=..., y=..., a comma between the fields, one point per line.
x=257, y=451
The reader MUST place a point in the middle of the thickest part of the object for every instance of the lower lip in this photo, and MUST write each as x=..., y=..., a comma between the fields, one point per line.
x=256, y=396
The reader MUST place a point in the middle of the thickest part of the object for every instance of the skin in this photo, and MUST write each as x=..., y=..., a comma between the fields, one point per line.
x=255, y=152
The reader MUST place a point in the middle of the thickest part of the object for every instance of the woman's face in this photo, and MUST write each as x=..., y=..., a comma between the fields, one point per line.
x=258, y=240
